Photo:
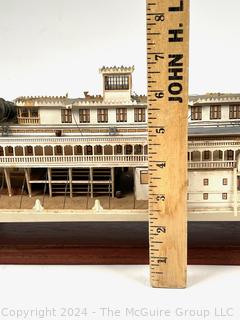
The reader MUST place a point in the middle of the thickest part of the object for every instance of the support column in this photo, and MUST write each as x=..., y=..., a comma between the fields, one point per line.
x=49, y=170
x=113, y=181
x=235, y=200
x=91, y=181
x=8, y=181
x=70, y=182
x=134, y=188
x=27, y=177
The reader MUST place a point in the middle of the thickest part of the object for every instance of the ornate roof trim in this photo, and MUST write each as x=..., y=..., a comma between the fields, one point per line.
x=215, y=98
x=116, y=69
x=31, y=100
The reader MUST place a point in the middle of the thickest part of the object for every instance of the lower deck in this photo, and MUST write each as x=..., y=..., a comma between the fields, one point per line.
x=69, y=188
x=79, y=203
x=68, y=182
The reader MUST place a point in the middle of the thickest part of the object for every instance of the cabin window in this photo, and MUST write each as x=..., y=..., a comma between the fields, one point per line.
x=225, y=181
x=196, y=113
x=28, y=112
x=139, y=115
x=118, y=149
x=195, y=156
x=230, y=155
x=128, y=149
x=59, y=150
x=138, y=149
x=88, y=150
x=66, y=115
x=102, y=115
x=78, y=150
x=217, y=155
x=84, y=115
x=98, y=149
x=24, y=112
x=9, y=151
x=205, y=182
x=29, y=150
x=34, y=113
x=206, y=155
x=234, y=112
x=215, y=112
x=224, y=196
x=144, y=177
x=116, y=82
x=205, y=196
x=121, y=114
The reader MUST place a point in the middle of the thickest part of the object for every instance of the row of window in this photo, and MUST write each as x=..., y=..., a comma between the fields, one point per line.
x=216, y=155
x=224, y=182
x=75, y=150
x=224, y=196
x=28, y=112
x=102, y=115
x=205, y=196
x=84, y=115
x=215, y=112
x=116, y=82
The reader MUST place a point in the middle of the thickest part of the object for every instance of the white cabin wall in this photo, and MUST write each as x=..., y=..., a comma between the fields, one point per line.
x=130, y=117
x=50, y=115
x=215, y=188
x=141, y=190
x=225, y=113
x=112, y=116
x=117, y=96
x=205, y=113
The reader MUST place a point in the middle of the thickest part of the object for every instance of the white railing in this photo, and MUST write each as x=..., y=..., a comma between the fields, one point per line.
x=38, y=140
x=98, y=160
x=211, y=164
x=26, y=120
x=222, y=144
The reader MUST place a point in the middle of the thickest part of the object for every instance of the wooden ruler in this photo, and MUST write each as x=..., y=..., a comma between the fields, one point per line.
x=167, y=54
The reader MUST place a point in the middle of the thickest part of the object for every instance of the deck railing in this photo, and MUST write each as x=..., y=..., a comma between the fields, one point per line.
x=81, y=160
x=28, y=120
x=211, y=164
x=100, y=160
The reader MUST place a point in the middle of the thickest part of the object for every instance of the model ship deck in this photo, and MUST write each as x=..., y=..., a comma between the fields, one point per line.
x=66, y=153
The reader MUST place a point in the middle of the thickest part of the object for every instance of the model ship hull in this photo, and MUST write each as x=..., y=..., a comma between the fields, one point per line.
x=111, y=243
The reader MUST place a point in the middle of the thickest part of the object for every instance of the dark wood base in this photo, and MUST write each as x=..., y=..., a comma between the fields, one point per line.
x=111, y=243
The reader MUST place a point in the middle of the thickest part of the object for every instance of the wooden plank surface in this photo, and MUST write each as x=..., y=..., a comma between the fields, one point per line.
x=167, y=56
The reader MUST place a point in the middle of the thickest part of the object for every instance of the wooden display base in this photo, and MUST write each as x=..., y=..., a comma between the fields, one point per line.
x=111, y=243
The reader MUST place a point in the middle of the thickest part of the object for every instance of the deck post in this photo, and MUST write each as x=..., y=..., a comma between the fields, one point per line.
x=112, y=181
x=27, y=177
x=91, y=181
x=49, y=170
x=70, y=182
x=8, y=181
x=235, y=202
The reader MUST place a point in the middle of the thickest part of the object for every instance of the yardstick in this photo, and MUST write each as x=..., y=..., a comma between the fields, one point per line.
x=167, y=63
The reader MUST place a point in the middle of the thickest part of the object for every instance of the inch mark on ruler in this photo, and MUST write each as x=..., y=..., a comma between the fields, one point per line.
x=167, y=65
